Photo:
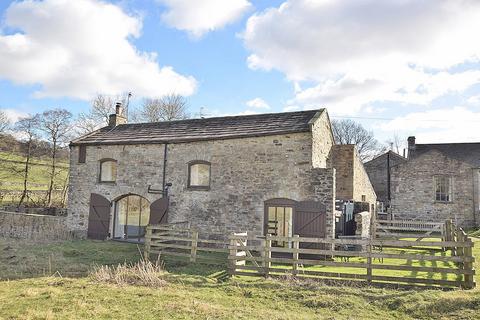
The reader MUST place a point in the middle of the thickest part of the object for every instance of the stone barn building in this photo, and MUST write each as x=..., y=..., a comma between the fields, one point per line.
x=379, y=171
x=438, y=182
x=267, y=173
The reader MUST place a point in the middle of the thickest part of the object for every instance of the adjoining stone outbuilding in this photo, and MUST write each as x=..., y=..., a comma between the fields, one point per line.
x=267, y=173
x=379, y=172
x=438, y=182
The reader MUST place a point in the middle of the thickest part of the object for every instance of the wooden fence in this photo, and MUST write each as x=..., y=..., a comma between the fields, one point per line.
x=183, y=242
x=410, y=229
x=375, y=261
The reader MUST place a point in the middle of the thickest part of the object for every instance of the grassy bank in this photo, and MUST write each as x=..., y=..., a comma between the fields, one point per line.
x=193, y=291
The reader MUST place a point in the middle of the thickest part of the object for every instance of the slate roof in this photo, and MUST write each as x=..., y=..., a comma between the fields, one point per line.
x=202, y=129
x=467, y=152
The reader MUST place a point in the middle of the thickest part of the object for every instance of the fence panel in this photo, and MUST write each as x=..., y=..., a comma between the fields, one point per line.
x=375, y=261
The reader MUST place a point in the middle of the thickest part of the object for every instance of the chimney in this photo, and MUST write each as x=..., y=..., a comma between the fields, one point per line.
x=117, y=118
x=411, y=146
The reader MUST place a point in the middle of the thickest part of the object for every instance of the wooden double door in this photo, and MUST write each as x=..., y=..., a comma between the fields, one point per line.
x=131, y=214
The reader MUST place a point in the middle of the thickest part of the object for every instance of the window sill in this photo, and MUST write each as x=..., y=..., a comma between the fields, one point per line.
x=198, y=188
x=107, y=182
x=443, y=202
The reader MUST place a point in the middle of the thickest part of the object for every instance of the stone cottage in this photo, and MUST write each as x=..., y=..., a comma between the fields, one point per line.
x=438, y=182
x=266, y=173
x=379, y=172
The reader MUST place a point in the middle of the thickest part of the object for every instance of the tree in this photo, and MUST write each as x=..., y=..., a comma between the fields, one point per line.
x=346, y=131
x=170, y=107
x=56, y=125
x=4, y=122
x=27, y=128
x=396, y=144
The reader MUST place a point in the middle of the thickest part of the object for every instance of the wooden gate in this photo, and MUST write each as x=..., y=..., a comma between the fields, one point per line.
x=159, y=211
x=309, y=221
x=98, y=217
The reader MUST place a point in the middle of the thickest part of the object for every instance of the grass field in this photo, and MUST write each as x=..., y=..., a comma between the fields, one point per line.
x=11, y=178
x=194, y=291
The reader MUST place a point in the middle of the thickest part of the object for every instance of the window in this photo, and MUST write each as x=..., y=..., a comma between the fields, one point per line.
x=108, y=170
x=199, y=175
x=443, y=188
x=132, y=215
x=82, y=154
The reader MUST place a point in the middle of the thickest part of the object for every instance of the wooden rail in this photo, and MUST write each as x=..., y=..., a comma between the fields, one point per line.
x=409, y=229
x=377, y=261
x=177, y=240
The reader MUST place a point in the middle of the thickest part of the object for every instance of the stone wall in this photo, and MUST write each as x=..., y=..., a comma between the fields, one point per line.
x=33, y=227
x=378, y=173
x=352, y=182
x=413, y=194
x=322, y=141
x=244, y=173
x=362, y=221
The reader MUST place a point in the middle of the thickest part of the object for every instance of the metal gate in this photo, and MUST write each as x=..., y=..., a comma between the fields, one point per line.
x=98, y=217
x=159, y=211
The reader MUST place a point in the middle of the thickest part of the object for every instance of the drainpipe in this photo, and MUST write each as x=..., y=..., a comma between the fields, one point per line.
x=165, y=153
x=388, y=179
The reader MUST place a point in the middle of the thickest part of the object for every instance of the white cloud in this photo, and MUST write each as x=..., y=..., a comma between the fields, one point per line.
x=358, y=52
x=80, y=48
x=201, y=16
x=14, y=115
x=457, y=124
x=258, y=103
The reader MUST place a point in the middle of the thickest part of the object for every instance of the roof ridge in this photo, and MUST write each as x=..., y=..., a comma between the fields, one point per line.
x=225, y=117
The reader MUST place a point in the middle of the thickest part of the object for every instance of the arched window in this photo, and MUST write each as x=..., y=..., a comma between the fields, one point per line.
x=199, y=175
x=108, y=170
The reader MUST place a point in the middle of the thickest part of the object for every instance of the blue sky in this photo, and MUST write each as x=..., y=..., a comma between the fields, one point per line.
x=388, y=64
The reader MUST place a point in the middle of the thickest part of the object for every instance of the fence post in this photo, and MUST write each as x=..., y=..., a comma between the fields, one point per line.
x=369, y=260
x=148, y=243
x=267, y=255
x=469, y=280
x=193, y=253
x=232, y=257
x=296, y=246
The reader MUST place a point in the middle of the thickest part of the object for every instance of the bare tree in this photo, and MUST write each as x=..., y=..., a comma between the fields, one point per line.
x=56, y=125
x=346, y=131
x=27, y=128
x=396, y=144
x=4, y=122
x=170, y=107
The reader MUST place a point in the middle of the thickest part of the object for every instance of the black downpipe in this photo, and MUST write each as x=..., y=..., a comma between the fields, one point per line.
x=388, y=179
x=165, y=153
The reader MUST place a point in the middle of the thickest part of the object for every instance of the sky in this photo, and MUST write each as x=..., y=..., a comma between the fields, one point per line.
x=399, y=67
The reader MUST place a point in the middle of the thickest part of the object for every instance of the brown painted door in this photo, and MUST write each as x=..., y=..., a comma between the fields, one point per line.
x=309, y=221
x=99, y=217
x=159, y=211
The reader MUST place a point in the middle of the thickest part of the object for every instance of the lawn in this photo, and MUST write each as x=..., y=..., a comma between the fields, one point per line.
x=193, y=291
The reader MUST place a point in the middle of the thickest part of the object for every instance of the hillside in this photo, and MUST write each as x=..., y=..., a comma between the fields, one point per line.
x=11, y=177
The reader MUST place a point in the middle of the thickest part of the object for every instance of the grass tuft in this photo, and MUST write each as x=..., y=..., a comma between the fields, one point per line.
x=143, y=273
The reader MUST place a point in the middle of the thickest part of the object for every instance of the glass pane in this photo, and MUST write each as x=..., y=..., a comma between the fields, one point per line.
x=145, y=218
x=108, y=171
x=120, y=218
x=200, y=175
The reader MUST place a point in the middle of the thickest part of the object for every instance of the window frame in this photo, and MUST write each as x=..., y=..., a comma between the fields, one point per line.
x=101, y=162
x=449, y=190
x=198, y=187
x=82, y=154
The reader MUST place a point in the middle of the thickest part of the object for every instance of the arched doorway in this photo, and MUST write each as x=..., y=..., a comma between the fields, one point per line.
x=131, y=217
